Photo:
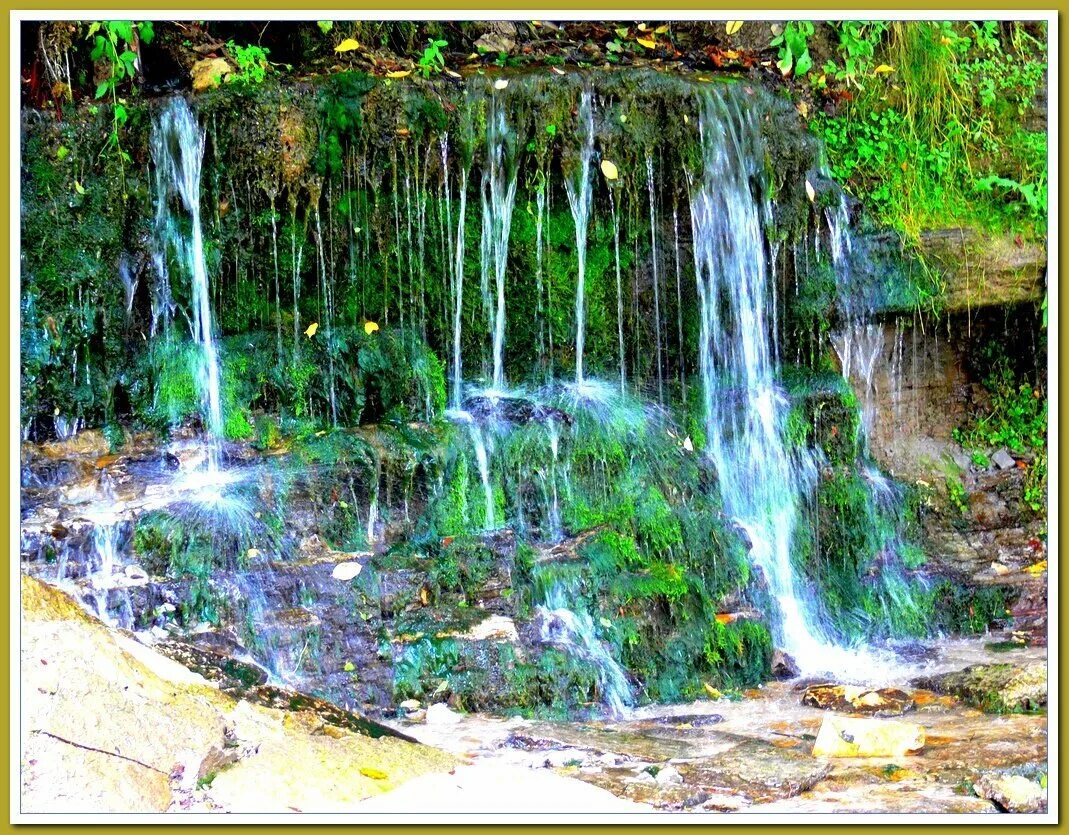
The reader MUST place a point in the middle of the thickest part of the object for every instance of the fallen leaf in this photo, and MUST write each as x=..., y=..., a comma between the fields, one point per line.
x=660, y=30
x=712, y=691
x=399, y=74
x=688, y=444
x=349, y=666
x=78, y=187
x=453, y=73
x=609, y=169
x=348, y=45
x=1038, y=568
x=883, y=68
x=311, y=330
x=556, y=70
x=733, y=26
x=803, y=109
x=810, y=191
x=646, y=42
x=501, y=84
x=373, y=773
x=370, y=327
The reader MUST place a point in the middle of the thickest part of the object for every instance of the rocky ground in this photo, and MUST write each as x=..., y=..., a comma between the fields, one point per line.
x=801, y=746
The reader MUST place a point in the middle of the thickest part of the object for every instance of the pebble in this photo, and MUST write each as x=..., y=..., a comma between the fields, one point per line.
x=441, y=714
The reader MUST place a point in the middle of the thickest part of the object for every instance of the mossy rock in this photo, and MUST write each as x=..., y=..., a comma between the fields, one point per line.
x=995, y=688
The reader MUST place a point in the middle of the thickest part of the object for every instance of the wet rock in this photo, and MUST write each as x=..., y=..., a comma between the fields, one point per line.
x=346, y=571
x=783, y=665
x=850, y=699
x=515, y=410
x=844, y=736
x=1003, y=460
x=1012, y=792
x=441, y=714
x=995, y=688
x=499, y=36
x=669, y=776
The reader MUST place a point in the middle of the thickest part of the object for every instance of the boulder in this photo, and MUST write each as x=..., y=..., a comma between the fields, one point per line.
x=1003, y=460
x=994, y=688
x=783, y=665
x=845, y=736
x=109, y=724
x=850, y=699
x=346, y=571
x=441, y=714
x=1012, y=792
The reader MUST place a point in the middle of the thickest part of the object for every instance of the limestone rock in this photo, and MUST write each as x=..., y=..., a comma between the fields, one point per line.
x=346, y=571
x=995, y=688
x=1012, y=792
x=985, y=270
x=850, y=699
x=669, y=776
x=1003, y=460
x=109, y=724
x=208, y=73
x=844, y=736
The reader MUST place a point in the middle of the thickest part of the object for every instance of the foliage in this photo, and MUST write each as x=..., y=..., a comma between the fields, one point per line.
x=432, y=60
x=931, y=134
x=251, y=61
x=793, y=44
x=115, y=44
x=1015, y=415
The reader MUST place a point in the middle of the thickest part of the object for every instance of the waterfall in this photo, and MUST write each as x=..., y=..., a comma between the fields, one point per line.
x=574, y=632
x=619, y=294
x=178, y=151
x=761, y=485
x=580, y=195
x=458, y=280
x=655, y=261
x=498, y=200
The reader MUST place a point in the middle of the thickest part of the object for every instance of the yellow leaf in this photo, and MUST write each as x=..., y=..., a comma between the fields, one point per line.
x=733, y=26
x=646, y=42
x=622, y=32
x=810, y=191
x=660, y=30
x=642, y=27
x=712, y=691
x=311, y=331
x=1038, y=568
x=348, y=45
x=399, y=74
x=78, y=187
x=803, y=109
x=373, y=773
x=609, y=169
x=884, y=68
x=370, y=327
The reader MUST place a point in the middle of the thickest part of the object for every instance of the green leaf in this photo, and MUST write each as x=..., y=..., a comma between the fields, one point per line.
x=61, y=152
x=325, y=26
x=803, y=64
x=102, y=88
x=99, y=45
x=145, y=31
x=123, y=29
x=120, y=114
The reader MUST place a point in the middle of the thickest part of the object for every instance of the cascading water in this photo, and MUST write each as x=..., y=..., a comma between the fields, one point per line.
x=580, y=197
x=574, y=632
x=760, y=483
x=859, y=342
x=498, y=200
x=178, y=150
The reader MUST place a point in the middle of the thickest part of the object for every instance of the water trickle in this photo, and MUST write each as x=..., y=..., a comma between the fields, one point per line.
x=655, y=260
x=178, y=151
x=482, y=459
x=574, y=632
x=498, y=200
x=619, y=293
x=458, y=306
x=760, y=483
x=580, y=197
